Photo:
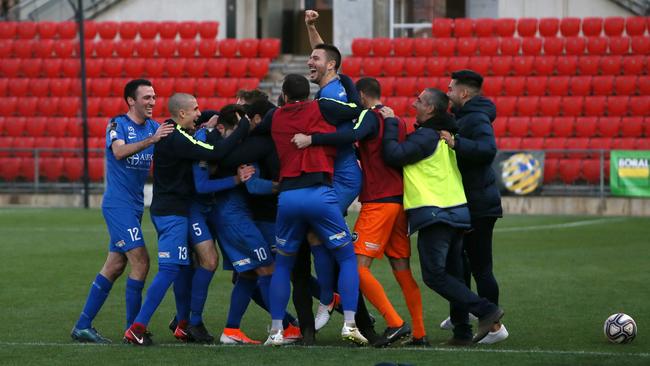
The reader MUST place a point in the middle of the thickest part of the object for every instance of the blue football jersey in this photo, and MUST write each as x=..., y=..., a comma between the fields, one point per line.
x=125, y=178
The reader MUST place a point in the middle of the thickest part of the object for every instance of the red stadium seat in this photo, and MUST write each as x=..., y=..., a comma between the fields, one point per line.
x=382, y=47
x=633, y=65
x=44, y=48
x=73, y=169
x=104, y=48
x=135, y=67
x=592, y=26
x=642, y=144
x=590, y=170
x=145, y=48
x=551, y=169
x=8, y=30
x=567, y=65
x=510, y=46
x=488, y=47
x=93, y=104
x=26, y=30
x=51, y=168
x=168, y=29
x=580, y=85
x=3, y=90
x=531, y=46
x=400, y=105
x=436, y=66
x=572, y=106
x=166, y=48
x=18, y=87
x=269, y=48
x=548, y=27
x=527, y=27
x=107, y=29
x=90, y=29
x=184, y=85
x=128, y=30
x=393, y=66
x=532, y=143
x=599, y=144
x=208, y=29
x=463, y=27
x=536, y=85
x=614, y=26
x=31, y=68
x=514, y=86
x=111, y=107
x=113, y=68
x=609, y=126
x=457, y=63
x=361, y=47
x=505, y=27
x=578, y=143
x=205, y=87
x=52, y=68
x=518, y=126
x=69, y=106
x=195, y=67
x=632, y=126
x=27, y=106
x=627, y=85
x=553, y=46
x=125, y=49
x=506, y=106
x=39, y=87
x=403, y=47
x=595, y=106
x=575, y=46
x=24, y=143
x=441, y=27
x=499, y=125
x=15, y=127
x=493, y=86
x=523, y=65
x=227, y=87
x=406, y=87
x=9, y=168
x=501, y=66
x=589, y=65
x=96, y=169
x=48, y=106
x=248, y=83
x=480, y=64
x=188, y=29
x=248, y=47
x=467, y=46
x=6, y=47
x=586, y=126
x=208, y=48
x=27, y=168
x=187, y=48
x=484, y=27
x=372, y=66
x=8, y=106
x=148, y=30
x=509, y=143
x=558, y=85
x=174, y=67
x=570, y=27
x=445, y=47
x=97, y=127
x=625, y=143
x=46, y=29
x=423, y=47
x=640, y=45
x=71, y=67
x=351, y=66
x=540, y=126
x=617, y=105
x=635, y=26
x=387, y=86
x=619, y=45
x=164, y=87
x=60, y=87
x=544, y=65
x=597, y=45
x=23, y=48
x=216, y=67
x=155, y=67
x=603, y=85
x=414, y=66
x=228, y=47
x=644, y=85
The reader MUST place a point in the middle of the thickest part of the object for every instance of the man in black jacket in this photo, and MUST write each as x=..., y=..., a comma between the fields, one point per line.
x=476, y=148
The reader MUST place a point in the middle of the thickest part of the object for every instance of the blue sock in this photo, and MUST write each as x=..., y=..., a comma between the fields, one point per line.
x=281, y=284
x=200, y=284
x=264, y=283
x=348, y=284
x=239, y=299
x=257, y=297
x=183, y=292
x=324, y=266
x=99, y=291
x=133, y=299
x=166, y=275
x=314, y=287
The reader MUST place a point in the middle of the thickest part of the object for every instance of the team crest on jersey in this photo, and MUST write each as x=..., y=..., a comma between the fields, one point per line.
x=120, y=244
x=242, y=262
x=338, y=236
x=164, y=255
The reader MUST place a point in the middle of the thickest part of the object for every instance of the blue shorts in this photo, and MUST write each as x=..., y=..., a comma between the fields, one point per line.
x=243, y=247
x=347, y=185
x=313, y=208
x=172, y=239
x=124, y=228
x=267, y=228
x=199, y=227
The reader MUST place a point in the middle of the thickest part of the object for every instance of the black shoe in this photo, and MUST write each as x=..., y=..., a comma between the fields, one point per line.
x=486, y=322
x=370, y=335
x=137, y=337
x=417, y=342
x=173, y=324
x=198, y=334
x=308, y=337
x=458, y=342
x=392, y=335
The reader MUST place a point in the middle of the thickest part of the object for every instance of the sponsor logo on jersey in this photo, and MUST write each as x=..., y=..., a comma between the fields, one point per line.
x=120, y=244
x=280, y=241
x=355, y=237
x=338, y=236
x=131, y=133
x=164, y=255
x=140, y=160
x=241, y=262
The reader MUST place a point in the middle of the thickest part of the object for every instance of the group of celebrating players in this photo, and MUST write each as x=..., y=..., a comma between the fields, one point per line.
x=271, y=185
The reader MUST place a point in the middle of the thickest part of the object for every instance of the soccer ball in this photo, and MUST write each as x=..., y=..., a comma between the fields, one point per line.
x=620, y=328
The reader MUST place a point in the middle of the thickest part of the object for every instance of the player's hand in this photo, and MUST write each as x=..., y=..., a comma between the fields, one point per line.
x=162, y=131
x=301, y=141
x=448, y=137
x=245, y=172
x=310, y=17
x=212, y=122
x=387, y=112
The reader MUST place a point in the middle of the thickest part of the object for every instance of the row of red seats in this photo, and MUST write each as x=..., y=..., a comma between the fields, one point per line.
x=405, y=47
x=50, y=48
x=573, y=106
x=576, y=147
x=110, y=29
x=50, y=146
x=52, y=169
x=572, y=126
x=570, y=171
x=497, y=65
x=493, y=86
x=136, y=67
x=548, y=27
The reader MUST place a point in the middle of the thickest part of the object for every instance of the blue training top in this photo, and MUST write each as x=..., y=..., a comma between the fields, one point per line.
x=206, y=187
x=125, y=178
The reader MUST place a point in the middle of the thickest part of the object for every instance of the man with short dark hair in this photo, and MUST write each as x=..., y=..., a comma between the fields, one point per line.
x=129, y=152
x=475, y=148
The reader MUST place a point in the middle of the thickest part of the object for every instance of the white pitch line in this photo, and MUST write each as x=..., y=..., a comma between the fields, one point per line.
x=559, y=226
x=410, y=349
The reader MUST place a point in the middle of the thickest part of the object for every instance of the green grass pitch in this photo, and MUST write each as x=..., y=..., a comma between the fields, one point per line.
x=560, y=278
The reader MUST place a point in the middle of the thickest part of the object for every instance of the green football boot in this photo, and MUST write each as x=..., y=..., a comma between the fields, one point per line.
x=88, y=335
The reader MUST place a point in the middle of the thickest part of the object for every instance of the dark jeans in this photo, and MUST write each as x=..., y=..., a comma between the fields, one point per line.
x=478, y=247
x=440, y=248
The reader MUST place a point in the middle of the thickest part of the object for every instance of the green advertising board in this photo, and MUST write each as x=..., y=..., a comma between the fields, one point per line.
x=630, y=173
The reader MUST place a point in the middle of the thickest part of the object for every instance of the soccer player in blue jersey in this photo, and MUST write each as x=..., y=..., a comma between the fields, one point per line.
x=129, y=152
x=172, y=195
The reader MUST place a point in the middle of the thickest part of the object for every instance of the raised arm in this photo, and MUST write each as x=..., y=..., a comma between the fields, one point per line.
x=310, y=22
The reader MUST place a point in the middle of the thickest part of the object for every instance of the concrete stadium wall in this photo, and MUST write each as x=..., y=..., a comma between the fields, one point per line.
x=558, y=8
